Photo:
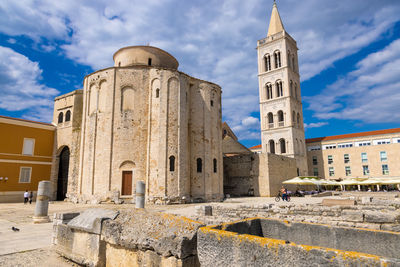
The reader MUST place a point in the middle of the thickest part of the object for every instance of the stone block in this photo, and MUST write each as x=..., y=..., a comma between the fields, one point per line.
x=366, y=200
x=391, y=227
x=90, y=220
x=338, y=202
x=163, y=233
x=379, y=217
x=352, y=216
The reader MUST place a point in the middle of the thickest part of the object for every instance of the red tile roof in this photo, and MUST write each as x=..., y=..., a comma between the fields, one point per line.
x=255, y=147
x=17, y=119
x=352, y=135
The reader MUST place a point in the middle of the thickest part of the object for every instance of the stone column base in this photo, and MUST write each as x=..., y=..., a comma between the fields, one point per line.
x=41, y=219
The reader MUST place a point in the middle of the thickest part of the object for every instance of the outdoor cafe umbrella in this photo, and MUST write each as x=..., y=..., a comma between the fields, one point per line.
x=303, y=181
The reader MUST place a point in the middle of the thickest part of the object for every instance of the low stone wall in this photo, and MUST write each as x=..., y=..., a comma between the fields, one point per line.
x=263, y=242
x=127, y=238
x=378, y=214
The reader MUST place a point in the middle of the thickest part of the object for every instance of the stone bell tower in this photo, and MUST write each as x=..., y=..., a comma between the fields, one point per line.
x=282, y=130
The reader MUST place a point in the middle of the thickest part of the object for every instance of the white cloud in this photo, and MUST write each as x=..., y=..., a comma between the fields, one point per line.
x=20, y=87
x=213, y=41
x=369, y=94
x=314, y=125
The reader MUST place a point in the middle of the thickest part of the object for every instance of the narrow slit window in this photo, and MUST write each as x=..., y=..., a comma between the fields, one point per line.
x=149, y=62
x=199, y=165
x=171, y=163
x=215, y=165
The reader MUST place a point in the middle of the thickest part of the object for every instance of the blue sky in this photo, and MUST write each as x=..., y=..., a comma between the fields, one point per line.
x=349, y=54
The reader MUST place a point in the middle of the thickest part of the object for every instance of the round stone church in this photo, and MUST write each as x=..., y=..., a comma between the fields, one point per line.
x=141, y=119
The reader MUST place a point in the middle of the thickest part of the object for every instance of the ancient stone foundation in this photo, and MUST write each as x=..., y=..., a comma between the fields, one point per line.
x=128, y=238
x=138, y=237
x=267, y=242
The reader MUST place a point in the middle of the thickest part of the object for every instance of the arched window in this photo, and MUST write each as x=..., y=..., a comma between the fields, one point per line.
x=215, y=165
x=270, y=120
x=157, y=93
x=267, y=59
x=269, y=91
x=171, y=163
x=277, y=57
x=199, y=165
x=280, y=118
x=298, y=120
x=291, y=88
x=288, y=59
x=294, y=66
x=60, y=117
x=282, y=145
x=271, y=146
x=128, y=99
x=68, y=116
x=295, y=90
x=279, y=90
x=294, y=118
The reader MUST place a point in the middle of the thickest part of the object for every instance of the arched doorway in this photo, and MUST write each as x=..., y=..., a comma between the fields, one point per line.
x=62, y=181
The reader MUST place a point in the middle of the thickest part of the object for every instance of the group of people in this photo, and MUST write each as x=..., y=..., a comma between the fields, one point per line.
x=28, y=197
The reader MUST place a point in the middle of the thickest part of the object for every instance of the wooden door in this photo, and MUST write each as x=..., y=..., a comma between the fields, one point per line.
x=126, y=183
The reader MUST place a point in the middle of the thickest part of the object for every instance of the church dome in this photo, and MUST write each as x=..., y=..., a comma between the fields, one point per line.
x=144, y=56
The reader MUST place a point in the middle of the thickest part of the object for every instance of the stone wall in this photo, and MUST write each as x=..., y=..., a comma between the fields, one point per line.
x=257, y=174
x=257, y=242
x=377, y=215
x=68, y=134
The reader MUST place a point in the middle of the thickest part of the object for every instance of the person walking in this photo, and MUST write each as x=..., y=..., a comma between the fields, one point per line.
x=26, y=197
x=30, y=197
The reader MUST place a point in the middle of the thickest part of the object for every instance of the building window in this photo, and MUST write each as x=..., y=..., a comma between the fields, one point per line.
x=25, y=174
x=28, y=147
x=314, y=160
x=298, y=120
x=60, y=117
x=267, y=63
x=280, y=118
x=315, y=171
x=331, y=171
x=199, y=165
x=157, y=93
x=347, y=170
x=295, y=91
x=149, y=62
x=385, y=169
x=215, y=165
x=364, y=157
x=277, y=58
x=171, y=163
x=294, y=118
x=346, y=158
x=269, y=91
x=271, y=146
x=283, y=145
x=211, y=103
x=68, y=116
x=330, y=159
x=279, y=90
x=270, y=120
x=365, y=170
x=383, y=156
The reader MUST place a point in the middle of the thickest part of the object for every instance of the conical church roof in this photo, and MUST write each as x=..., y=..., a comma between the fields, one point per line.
x=275, y=24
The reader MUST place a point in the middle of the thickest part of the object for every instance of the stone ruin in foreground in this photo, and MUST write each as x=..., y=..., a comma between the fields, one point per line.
x=138, y=237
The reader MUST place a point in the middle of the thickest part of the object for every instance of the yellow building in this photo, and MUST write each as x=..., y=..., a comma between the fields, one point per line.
x=26, y=149
x=374, y=154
